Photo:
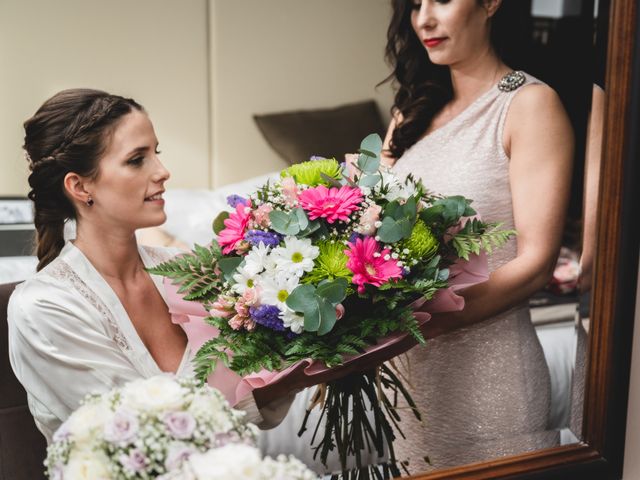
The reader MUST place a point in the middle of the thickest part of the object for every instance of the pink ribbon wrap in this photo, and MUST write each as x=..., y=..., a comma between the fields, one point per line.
x=191, y=315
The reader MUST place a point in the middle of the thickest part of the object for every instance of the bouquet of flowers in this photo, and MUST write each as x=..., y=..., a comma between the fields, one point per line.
x=323, y=266
x=161, y=427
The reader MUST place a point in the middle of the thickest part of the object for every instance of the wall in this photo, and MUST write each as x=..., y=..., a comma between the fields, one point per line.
x=632, y=441
x=279, y=55
x=153, y=50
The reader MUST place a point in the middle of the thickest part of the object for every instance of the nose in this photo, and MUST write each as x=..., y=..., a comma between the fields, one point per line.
x=161, y=174
x=426, y=18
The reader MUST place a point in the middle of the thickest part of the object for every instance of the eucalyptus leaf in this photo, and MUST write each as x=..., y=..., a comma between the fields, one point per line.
x=389, y=231
x=334, y=291
x=368, y=163
x=443, y=274
x=301, y=217
x=328, y=317
x=284, y=223
x=372, y=143
x=218, y=223
x=302, y=298
x=369, y=180
x=228, y=266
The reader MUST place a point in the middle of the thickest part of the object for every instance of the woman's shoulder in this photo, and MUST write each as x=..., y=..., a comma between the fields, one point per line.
x=533, y=100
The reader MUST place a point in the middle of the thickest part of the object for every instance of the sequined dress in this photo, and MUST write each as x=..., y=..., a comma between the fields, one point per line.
x=483, y=391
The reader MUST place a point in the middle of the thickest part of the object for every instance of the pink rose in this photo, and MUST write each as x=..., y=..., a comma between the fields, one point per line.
x=367, y=224
x=222, y=307
x=339, y=311
x=290, y=191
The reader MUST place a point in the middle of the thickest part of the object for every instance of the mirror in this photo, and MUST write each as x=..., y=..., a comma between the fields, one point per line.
x=592, y=323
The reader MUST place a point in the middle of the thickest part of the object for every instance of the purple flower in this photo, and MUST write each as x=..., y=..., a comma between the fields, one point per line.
x=234, y=200
x=354, y=236
x=123, y=427
x=180, y=424
x=136, y=461
x=62, y=433
x=267, y=316
x=176, y=455
x=270, y=239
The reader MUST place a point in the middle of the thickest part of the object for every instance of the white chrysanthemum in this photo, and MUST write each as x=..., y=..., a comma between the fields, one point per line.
x=258, y=259
x=275, y=289
x=292, y=320
x=244, y=279
x=296, y=257
x=397, y=189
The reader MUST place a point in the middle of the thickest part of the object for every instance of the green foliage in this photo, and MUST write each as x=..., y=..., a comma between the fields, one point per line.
x=218, y=223
x=291, y=223
x=194, y=272
x=477, y=236
x=369, y=158
x=398, y=220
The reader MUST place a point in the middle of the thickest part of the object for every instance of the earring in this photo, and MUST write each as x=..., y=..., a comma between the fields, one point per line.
x=90, y=202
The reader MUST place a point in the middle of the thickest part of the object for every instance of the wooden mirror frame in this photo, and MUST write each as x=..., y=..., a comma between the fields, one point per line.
x=600, y=454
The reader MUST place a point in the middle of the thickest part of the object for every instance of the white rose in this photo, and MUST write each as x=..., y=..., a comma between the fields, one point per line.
x=86, y=423
x=158, y=393
x=86, y=464
x=231, y=462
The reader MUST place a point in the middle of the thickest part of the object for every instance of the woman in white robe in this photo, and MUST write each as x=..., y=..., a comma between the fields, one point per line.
x=93, y=318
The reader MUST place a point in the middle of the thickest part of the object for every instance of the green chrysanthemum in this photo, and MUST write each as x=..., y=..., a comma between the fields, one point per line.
x=422, y=244
x=331, y=263
x=310, y=173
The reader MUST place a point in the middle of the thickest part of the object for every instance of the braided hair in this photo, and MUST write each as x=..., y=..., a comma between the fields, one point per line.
x=68, y=133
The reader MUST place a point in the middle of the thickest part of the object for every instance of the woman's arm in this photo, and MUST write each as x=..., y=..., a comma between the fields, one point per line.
x=539, y=140
x=593, y=156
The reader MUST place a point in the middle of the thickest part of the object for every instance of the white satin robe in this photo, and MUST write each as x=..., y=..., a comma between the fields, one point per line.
x=69, y=335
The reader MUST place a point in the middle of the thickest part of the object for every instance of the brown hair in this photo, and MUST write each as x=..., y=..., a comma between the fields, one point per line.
x=68, y=133
x=424, y=88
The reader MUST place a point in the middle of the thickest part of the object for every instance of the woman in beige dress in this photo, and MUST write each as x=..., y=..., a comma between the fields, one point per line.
x=467, y=124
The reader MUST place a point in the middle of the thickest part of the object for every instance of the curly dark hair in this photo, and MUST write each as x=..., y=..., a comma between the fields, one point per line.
x=424, y=88
x=68, y=133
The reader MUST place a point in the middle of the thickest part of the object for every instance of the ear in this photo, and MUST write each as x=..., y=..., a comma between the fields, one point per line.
x=76, y=187
x=492, y=6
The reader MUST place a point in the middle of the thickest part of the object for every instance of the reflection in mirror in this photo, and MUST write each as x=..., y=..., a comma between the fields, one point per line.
x=563, y=44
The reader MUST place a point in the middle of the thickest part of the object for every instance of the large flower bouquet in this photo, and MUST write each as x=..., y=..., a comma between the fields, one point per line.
x=164, y=428
x=322, y=266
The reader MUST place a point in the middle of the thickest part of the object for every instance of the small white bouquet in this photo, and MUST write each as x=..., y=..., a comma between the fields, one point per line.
x=150, y=429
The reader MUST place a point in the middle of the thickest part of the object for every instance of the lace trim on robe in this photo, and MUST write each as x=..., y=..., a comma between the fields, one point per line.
x=63, y=271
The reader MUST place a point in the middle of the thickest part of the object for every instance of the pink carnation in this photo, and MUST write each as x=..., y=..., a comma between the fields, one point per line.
x=261, y=215
x=367, y=224
x=368, y=268
x=331, y=203
x=290, y=191
x=231, y=237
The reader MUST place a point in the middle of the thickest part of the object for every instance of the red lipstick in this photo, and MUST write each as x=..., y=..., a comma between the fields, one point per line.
x=433, y=42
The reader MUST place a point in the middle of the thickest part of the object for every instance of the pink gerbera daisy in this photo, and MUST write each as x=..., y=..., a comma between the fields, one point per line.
x=370, y=268
x=330, y=203
x=236, y=224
